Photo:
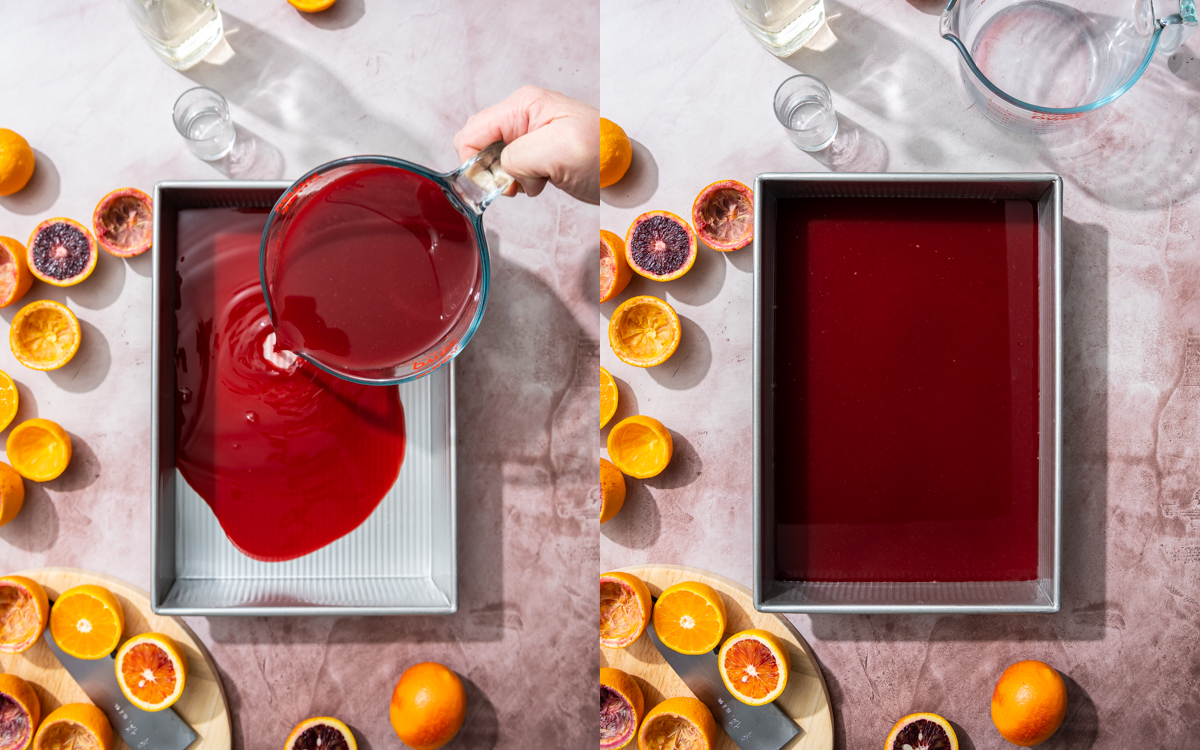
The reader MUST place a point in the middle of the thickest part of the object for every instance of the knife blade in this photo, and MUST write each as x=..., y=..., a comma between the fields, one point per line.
x=141, y=730
x=751, y=727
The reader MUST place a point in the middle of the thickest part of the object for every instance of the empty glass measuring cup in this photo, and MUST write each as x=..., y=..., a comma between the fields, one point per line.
x=1035, y=65
x=376, y=269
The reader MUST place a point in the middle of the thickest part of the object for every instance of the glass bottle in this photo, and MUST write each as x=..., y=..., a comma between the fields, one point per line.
x=182, y=32
x=782, y=26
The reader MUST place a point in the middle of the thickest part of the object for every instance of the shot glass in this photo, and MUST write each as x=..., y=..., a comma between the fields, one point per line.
x=804, y=106
x=202, y=117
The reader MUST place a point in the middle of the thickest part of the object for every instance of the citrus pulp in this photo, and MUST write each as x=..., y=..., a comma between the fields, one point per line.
x=20, y=713
x=86, y=621
x=123, y=222
x=723, y=214
x=61, y=252
x=15, y=278
x=24, y=610
x=75, y=726
x=689, y=617
x=678, y=724
x=39, y=449
x=621, y=709
x=640, y=446
x=754, y=666
x=644, y=331
x=615, y=272
x=44, y=335
x=321, y=733
x=151, y=670
x=661, y=246
x=922, y=731
x=625, y=607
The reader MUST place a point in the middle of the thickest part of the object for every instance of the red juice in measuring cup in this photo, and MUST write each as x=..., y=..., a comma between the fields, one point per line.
x=373, y=269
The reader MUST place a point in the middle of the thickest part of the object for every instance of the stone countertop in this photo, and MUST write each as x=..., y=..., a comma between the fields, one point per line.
x=364, y=77
x=693, y=90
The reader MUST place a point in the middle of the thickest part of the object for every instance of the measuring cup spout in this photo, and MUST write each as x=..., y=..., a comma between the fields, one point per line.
x=1178, y=20
x=481, y=179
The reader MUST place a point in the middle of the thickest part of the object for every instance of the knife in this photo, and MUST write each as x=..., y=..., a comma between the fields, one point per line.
x=751, y=727
x=141, y=730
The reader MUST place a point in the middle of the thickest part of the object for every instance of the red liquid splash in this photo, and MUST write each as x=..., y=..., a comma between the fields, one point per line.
x=906, y=390
x=289, y=457
x=373, y=270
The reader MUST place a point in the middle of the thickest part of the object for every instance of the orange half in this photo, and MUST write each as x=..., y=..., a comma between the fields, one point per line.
x=615, y=272
x=39, y=449
x=612, y=491
x=754, y=666
x=689, y=617
x=621, y=709
x=75, y=726
x=44, y=335
x=625, y=607
x=678, y=724
x=152, y=671
x=608, y=396
x=640, y=446
x=86, y=621
x=12, y=493
x=644, y=331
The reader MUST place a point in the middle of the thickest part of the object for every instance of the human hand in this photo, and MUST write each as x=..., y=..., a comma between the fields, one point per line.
x=550, y=137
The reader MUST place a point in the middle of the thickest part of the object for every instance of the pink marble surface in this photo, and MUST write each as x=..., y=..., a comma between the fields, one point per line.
x=693, y=90
x=367, y=77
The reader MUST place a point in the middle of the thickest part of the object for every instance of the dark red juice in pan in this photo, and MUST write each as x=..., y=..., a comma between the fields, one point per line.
x=373, y=270
x=906, y=390
x=289, y=457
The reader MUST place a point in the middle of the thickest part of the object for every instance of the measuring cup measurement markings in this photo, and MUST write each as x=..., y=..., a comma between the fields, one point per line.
x=376, y=269
x=1035, y=65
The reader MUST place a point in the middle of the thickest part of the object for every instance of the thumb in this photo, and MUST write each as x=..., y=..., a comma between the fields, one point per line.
x=525, y=160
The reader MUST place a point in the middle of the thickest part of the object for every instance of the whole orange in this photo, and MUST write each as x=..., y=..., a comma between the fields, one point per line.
x=1029, y=702
x=428, y=706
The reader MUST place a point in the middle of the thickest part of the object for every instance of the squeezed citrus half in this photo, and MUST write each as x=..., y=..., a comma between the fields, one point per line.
x=625, y=607
x=75, y=726
x=24, y=611
x=39, y=449
x=640, y=446
x=678, y=724
x=644, y=331
x=44, y=335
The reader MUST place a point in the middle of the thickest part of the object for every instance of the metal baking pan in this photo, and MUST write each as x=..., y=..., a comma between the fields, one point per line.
x=402, y=560
x=771, y=593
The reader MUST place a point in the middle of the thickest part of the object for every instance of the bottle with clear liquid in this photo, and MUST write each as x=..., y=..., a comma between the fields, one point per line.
x=182, y=32
x=1179, y=441
x=782, y=26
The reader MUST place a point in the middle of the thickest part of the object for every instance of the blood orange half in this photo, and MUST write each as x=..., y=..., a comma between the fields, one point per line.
x=124, y=222
x=723, y=215
x=754, y=666
x=621, y=709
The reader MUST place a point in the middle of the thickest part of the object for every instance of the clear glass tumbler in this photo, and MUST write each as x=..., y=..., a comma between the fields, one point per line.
x=782, y=26
x=804, y=106
x=182, y=32
x=202, y=117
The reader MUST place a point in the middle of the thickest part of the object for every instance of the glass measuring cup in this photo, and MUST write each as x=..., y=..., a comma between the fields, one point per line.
x=356, y=287
x=1036, y=65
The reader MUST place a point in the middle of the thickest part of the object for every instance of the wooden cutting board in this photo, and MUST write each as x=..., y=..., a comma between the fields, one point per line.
x=805, y=699
x=202, y=704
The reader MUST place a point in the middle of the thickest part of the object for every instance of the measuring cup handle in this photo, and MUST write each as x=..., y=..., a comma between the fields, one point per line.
x=481, y=179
